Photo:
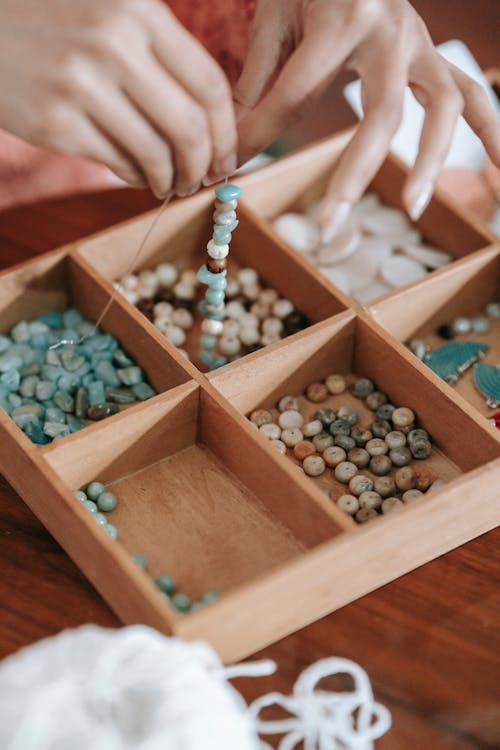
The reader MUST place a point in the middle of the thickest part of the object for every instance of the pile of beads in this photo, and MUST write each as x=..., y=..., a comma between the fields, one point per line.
x=377, y=250
x=213, y=273
x=334, y=440
x=99, y=503
x=50, y=393
x=181, y=602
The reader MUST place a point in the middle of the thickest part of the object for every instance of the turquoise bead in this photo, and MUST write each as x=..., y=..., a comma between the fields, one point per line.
x=139, y=560
x=21, y=332
x=68, y=382
x=233, y=225
x=120, y=395
x=221, y=235
x=44, y=390
x=10, y=379
x=52, y=319
x=206, y=276
x=219, y=283
x=209, y=597
x=95, y=489
x=210, y=316
x=10, y=361
x=111, y=530
x=71, y=361
x=23, y=420
x=214, y=296
x=91, y=506
x=219, y=362
x=208, y=341
x=96, y=392
x=56, y=429
x=106, y=502
x=80, y=495
x=71, y=318
x=107, y=373
x=35, y=433
x=228, y=192
x=64, y=401
x=131, y=375
x=143, y=391
x=53, y=414
x=4, y=343
x=28, y=386
x=74, y=423
x=165, y=583
x=101, y=519
x=181, y=602
x=207, y=358
x=85, y=328
x=121, y=359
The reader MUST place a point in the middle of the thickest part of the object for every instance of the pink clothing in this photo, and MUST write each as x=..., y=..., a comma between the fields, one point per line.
x=28, y=173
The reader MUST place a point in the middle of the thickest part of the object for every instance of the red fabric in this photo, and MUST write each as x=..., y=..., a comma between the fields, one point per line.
x=28, y=173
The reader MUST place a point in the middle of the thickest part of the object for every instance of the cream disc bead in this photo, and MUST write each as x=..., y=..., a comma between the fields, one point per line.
x=247, y=276
x=391, y=503
x=188, y=276
x=217, y=251
x=269, y=338
x=163, y=323
x=348, y=503
x=129, y=282
x=223, y=206
x=268, y=296
x=282, y=308
x=148, y=278
x=279, y=445
x=223, y=218
x=249, y=336
x=292, y=436
x=131, y=295
x=184, y=291
x=235, y=309
x=215, y=327
x=271, y=431
x=182, y=318
x=163, y=310
x=313, y=466
x=231, y=327
x=229, y=345
x=232, y=288
x=175, y=335
x=290, y=418
x=289, y=402
x=312, y=428
x=249, y=319
x=146, y=292
x=166, y=273
x=250, y=291
x=272, y=325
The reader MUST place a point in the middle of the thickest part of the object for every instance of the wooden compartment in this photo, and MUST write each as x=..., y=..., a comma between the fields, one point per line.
x=181, y=235
x=463, y=290
x=295, y=182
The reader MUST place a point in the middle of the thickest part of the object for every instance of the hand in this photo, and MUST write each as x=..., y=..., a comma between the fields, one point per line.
x=296, y=49
x=120, y=82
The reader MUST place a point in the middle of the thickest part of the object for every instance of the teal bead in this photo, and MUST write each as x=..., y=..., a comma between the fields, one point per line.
x=45, y=390
x=221, y=235
x=102, y=341
x=54, y=414
x=121, y=359
x=214, y=296
x=32, y=369
x=52, y=319
x=85, y=328
x=106, y=372
x=207, y=358
x=10, y=379
x=10, y=361
x=56, y=429
x=94, y=489
x=28, y=385
x=143, y=391
x=111, y=531
x=139, y=560
x=106, y=502
x=35, y=433
x=165, y=583
x=218, y=283
x=74, y=423
x=71, y=361
x=52, y=357
x=23, y=420
x=20, y=333
x=4, y=343
x=71, y=317
x=68, y=382
x=64, y=401
x=219, y=362
x=208, y=341
x=40, y=341
x=96, y=392
x=101, y=519
x=209, y=597
x=210, y=316
x=206, y=277
x=35, y=409
x=91, y=506
x=81, y=403
x=120, y=395
x=80, y=495
x=130, y=375
x=228, y=192
x=181, y=602
x=233, y=225
x=97, y=357
x=16, y=401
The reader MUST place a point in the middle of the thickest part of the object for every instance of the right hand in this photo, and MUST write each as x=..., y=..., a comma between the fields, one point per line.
x=120, y=82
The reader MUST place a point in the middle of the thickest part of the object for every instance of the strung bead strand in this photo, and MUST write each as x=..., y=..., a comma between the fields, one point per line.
x=213, y=273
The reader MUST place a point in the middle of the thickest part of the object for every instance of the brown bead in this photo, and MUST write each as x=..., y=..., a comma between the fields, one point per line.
x=304, y=449
x=366, y=514
x=217, y=265
x=405, y=478
x=261, y=416
x=380, y=465
x=317, y=392
x=424, y=480
x=385, y=486
x=333, y=455
x=359, y=457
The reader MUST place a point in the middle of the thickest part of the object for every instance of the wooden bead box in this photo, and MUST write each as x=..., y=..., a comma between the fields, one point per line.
x=201, y=493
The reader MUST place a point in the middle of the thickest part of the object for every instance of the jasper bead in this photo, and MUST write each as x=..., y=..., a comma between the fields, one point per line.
x=106, y=502
x=304, y=449
x=344, y=441
x=384, y=413
x=345, y=471
x=403, y=417
x=411, y=495
x=312, y=428
x=317, y=392
x=420, y=449
x=400, y=456
x=385, y=486
x=391, y=503
x=291, y=436
x=101, y=411
x=288, y=403
x=216, y=266
x=424, y=480
x=360, y=436
x=362, y=388
x=333, y=455
x=359, y=484
x=369, y=500
x=366, y=514
x=395, y=439
x=340, y=427
x=405, y=478
x=270, y=430
x=94, y=490
x=335, y=384
x=261, y=416
x=290, y=418
x=359, y=457
x=380, y=465
x=377, y=447
x=322, y=441
x=313, y=466
x=380, y=428
x=326, y=416
x=348, y=503
x=375, y=400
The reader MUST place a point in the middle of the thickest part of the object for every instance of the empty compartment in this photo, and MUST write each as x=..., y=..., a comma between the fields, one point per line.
x=461, y=292
x=180, y=237
x=195, y=494
x=54, y=283
x=354, y=347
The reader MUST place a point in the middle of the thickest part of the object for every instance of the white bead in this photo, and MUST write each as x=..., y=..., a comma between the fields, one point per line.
x=226, y=206
x=232, y=288
x=268, y=296
x=290, y=418
x=183, y=352
x=279, y=445
x=130, y=282
x=229, y=345
x=282, y=308
x=313, y=428
x=235, y=309
x=148, y=277
x=188, y=276
x=249, y=319
x=223, y=218
x=214, y=327
x=182, y=318
x=166, y=273
x=272, y=325
x=269, y=338
x=217, y=251
x=299, y=231
x=271, y=431
x=163, y=323
x=247, y=276
x=131, y=295
x=163, y=309
x=249, y=336
x=231, y=327
x=214, y=309
x=175, y=335
x=146, y=292
x=251, y=291
x=260, y=310
x=184, y=291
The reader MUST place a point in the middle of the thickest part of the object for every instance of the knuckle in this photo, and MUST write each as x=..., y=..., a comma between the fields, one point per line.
x=194, y=132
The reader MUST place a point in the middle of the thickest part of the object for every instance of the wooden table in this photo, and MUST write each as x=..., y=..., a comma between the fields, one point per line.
x=430, y=641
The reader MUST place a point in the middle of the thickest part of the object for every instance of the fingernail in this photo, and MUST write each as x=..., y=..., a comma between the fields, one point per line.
x=334, y=216
x=422, y=200
x=184, y=193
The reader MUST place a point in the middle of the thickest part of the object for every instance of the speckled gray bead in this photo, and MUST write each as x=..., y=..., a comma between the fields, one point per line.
x=360, y=436
x=418, y=435
x=322, y=441
x=359, y=457
x=385, y=486
x=369, y=500
x=348, y=503
x=345, y=471
x=375, y=400
x=395, y=439
x=380, y=428
x=380, y=465
x=366, y=514
x=326, y=416
x=391, y=503
x=349, y=414
x=400, y=456
x=384, y=412
x=362, y=388
x=377, y=447
x=360, y=483
x=411, y=495
x=334, y=455
x=420, y=449
x=340, y=427
x=313, y=466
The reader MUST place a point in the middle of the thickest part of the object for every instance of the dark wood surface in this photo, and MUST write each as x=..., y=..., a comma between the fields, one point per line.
x=430, y=641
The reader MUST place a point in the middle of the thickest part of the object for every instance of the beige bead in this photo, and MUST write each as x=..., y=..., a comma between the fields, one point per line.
x=395, y=439
x=290, y=418
x=291, y=436
x=348, y=503
x=188, y=276
x=411, y=495
x=345, y=471
x=269, y=338
x=335, y=384
x=215, y=327
x=377, y=447
x=304, y=449
x=380, y=465
x=289, y=402
x=322, y=441
x=437, y=485
x=235, y=309
x=175, y=335
x=268, y=296
x=317, y=392
x=260, y=310
x=247, y=276
x=129, y=282
x=370, y=499
x=251, y=291
x=229, y=345
x=366, y=514
x=271, y=431
x=391, y=503
x=163, y=310
x=282, y=308
x=403, y=417
x=184, y=291
x=385, y=486
x=405, y=478
x=279, y=445
x=249, y=336
x=231, y=327
x=312, y=428
x=359, y=484
x=272, y=325
x=359, y=457
x=313, y=466
x=166, y=273
x=261, y=416
x=333, y=455
x=182, y=318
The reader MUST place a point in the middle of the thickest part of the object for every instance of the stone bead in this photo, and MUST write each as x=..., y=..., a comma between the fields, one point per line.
x=268, y=296
x=322, y=441
x=209, y=597
x=233, y=288
x=56, y=429
x=417, y=435
x=366, y=514
x=143, y=391
x=217, y=266
x=271, y=325
x=106, y=502
x=420, y=449
x=279, y=445
x=235, y=309
x=102, y=411
x=395, y=439
x=206, y=277
x=461, y=325
x=96, y=392
x=359, y=457
x=384, y=413
x=111, y=531
x=214, y=327
x=228, y=192
x=345, y=471
x=326, y=416
x=224, y=218
x=362, y=388
x=400, y=456
x=261, y=416
x=184, y=291
x=336, y=384
x=313, y=466
x=182, y=318
x=247, y=277
x=249, y=336
x=424, y=480
x=380, y=465
x=181, y=602
x=411, y=495
x=360, y=483
x=290, y=418
x=340, y=427
x=317, y=392
x=385, y=486
x=403, y=417
x=269, y=338
x=349, y=413
x=377, y=447
x=208, y=341
x=218, y=252
x=80, y=495
x=380, y=428
x=480, y=324
x=270, y=430
x=348, y=503
x=282, y=308
x=165, y=583
x=166, y=274
x=303, y=449
x=493, y=309
x=370, y=500
x=333, y=455
x=91, y=506
x=288, y=403
x=344, y=441
x=82, y=403
x=64, y=401
x=375, y=400
x=361, y=436
x=163, y=310
x=310, y=429
x=437, y=485
x=291, y=436
x=405, y=478
x=107, y=373
x=226, y=205
x=139, y=560
x=419, y=348
x=229, y=345
x=391, y=503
